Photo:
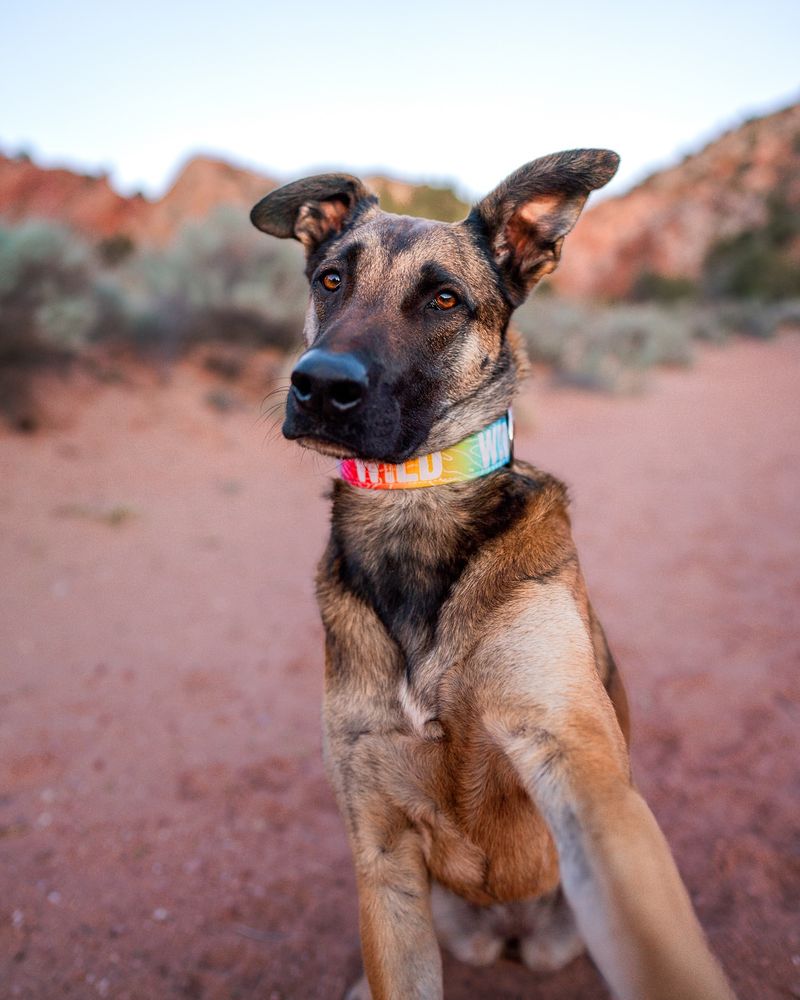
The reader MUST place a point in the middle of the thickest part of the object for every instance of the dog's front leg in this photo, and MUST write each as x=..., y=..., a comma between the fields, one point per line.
x=401, y=954
x=555, y=722
x=618, y=874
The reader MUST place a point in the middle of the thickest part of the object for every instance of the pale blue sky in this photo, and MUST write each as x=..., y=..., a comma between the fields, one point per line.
x=458, y=91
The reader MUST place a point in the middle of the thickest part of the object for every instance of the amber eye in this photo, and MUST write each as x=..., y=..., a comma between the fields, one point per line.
x=445, y=300
x=331, y=280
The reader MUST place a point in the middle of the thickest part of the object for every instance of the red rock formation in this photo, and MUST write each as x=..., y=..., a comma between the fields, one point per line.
x=86, y=203
x=203, y=184
x=91, y=206
x=667, y=224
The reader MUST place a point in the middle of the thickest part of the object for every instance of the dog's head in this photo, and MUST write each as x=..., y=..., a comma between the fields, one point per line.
x=408, y=348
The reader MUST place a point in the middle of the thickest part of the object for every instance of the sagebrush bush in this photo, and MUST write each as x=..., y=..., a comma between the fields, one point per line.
x=596, y=345
x=46, y=297
x=427, y=202
x=223, y=283
x=220, y=279
x=47, y=309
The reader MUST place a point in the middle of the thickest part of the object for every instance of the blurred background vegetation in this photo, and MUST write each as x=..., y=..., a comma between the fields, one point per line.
x=219, y=293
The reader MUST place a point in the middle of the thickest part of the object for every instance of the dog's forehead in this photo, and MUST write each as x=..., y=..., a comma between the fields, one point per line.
x=403, y=246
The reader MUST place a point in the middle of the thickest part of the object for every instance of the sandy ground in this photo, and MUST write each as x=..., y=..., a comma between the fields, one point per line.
x=165, y=826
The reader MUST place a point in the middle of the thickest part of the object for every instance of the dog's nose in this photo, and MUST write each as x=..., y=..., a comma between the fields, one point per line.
x=325, y=381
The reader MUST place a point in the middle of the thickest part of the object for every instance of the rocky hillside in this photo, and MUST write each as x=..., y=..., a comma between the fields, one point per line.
x=89, y=203
x=725, y=219
x=742, y=186
x=86, y=202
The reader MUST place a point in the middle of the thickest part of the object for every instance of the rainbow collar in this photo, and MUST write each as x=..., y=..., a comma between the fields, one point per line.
x=475, y=456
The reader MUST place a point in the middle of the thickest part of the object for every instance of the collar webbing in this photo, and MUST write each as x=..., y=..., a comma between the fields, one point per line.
x=475, y=456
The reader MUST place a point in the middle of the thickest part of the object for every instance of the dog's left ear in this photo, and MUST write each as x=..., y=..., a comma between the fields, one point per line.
x=526, y=218
x=313, y=209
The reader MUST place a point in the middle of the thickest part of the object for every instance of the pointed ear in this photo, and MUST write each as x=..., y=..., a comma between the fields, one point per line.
x=313, y=209
x=526, y=218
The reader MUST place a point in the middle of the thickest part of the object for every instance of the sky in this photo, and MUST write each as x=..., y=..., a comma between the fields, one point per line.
x=457, y=92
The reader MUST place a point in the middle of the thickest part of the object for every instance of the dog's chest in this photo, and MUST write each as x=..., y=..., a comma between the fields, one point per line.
x=420, y=718
x=467, y=803
x=405, y=556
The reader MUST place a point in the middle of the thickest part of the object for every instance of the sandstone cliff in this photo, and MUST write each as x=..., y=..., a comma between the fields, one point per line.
x=668, y=224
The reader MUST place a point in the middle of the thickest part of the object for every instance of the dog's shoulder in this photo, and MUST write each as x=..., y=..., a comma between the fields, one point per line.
x=545, y=493
x=539, y=539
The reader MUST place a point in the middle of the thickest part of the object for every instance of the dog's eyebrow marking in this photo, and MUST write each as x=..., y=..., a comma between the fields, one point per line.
x=433, y=276
x=350, y=259
x=347, y=259
x=351, y=255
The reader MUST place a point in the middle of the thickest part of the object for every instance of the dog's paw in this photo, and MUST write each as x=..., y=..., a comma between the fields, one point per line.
x=359, y=990
x=479, y=948
x=550, y=950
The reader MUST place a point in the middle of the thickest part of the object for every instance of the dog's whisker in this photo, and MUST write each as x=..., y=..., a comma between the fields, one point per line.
x=270, y=412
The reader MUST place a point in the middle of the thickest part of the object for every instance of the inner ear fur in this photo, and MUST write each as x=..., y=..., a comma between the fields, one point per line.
x=313, y=209
x=527, y=216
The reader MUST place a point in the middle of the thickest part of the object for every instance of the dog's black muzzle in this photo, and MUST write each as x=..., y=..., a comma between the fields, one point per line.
x=338, y=397
x=344, y=398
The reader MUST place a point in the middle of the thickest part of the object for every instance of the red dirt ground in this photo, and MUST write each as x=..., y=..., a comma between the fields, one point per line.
x=165, y=826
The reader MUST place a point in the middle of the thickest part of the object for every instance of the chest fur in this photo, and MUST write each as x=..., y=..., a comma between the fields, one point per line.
x=403, y=555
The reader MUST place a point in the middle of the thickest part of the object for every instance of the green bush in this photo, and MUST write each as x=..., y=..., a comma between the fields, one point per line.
x=114, y=249
x=652, y=287
x=47, y=305
x=428, y=202
x=48, y=309
x=759, y=263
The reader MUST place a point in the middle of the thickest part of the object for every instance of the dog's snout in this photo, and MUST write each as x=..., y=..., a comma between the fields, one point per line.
x=329, y=382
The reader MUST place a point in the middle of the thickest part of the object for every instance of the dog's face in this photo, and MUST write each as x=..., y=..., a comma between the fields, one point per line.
x=408, y=349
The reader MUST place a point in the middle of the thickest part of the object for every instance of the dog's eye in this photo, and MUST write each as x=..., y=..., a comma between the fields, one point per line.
x=444, y=300
x=331, y=280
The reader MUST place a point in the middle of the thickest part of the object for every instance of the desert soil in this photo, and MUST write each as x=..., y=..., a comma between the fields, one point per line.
x=166, y=829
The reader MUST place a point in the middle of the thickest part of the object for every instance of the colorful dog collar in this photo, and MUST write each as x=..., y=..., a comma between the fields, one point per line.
x=471, y=458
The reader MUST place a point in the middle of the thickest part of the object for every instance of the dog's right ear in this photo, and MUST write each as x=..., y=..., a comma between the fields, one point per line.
x=525, y=219
x=312, y=210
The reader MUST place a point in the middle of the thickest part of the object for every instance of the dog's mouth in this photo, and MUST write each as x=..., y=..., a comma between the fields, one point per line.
x=373, y=436
x=325, y=447
x=335, y=449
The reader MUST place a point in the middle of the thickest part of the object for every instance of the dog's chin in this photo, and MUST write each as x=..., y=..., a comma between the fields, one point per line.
x=332, y=449
x=323, y=447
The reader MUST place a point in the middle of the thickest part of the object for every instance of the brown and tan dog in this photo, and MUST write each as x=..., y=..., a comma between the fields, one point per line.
x=475, y=724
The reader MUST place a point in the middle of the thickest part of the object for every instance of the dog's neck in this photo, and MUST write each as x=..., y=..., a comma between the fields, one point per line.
x=403, y=551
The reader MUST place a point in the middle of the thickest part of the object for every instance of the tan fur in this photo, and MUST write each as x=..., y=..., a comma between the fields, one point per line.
x=440, y=776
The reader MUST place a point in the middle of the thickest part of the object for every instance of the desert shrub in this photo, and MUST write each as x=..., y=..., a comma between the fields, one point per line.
x=759, y=263
x=604, y=347
x=428, y=202
x=652, y=287
x=787, y=314
x=47, y=309
x=751, y=318
x=221, y=280
x=47, y=304
x=114, y=249
x=610, y=346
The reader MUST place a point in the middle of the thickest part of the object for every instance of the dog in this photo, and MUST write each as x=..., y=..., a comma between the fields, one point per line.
x=475, y=724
